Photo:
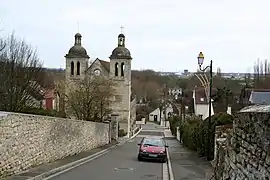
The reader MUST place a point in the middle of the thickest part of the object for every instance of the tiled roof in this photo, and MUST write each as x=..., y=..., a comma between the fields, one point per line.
x=200, y=96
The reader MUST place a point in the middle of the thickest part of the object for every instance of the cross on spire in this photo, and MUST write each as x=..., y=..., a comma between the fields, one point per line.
x=121, y=28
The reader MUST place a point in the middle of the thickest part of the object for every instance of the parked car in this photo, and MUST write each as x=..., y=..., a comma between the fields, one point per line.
x=152, y=149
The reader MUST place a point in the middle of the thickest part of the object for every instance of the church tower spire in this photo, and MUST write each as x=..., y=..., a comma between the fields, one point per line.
x=78, y=39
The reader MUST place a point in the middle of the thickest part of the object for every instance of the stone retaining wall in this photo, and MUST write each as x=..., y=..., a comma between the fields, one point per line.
x=30, y=140
x=246, y=153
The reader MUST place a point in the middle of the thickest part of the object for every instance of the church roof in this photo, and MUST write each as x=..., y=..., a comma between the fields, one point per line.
x=121, y=52
x=77, y=51
x=105, y=64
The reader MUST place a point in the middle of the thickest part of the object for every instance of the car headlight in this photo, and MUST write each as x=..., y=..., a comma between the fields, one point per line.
x=161, y=152
x=144, y=151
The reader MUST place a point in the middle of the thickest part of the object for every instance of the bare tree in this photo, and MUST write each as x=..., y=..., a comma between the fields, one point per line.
x=261, y=74
x=21, y=75
x=90, y=99
x=2, y=44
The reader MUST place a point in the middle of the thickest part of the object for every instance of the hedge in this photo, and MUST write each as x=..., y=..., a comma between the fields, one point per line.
x=175, y=121
x=194, y=131
x=41, y=111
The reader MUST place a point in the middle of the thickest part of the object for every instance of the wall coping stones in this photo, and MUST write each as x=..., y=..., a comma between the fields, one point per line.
x=256, y=108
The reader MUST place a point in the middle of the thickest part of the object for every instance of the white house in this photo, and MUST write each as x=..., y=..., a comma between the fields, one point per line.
x=154, y=116
x=201, y=106
x=166, y=113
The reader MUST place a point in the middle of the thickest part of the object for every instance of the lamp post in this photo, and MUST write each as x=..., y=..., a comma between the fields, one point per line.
x=200, y=62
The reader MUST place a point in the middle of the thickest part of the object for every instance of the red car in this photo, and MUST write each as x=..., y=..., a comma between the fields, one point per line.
x=152, y=148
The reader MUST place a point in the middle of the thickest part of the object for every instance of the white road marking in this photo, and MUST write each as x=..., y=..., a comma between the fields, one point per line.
x=136, y=134
x=95, y=156
x=152, y=130
x=165, y=172
x=149, y=136
x=170, y=166
x=72, y=167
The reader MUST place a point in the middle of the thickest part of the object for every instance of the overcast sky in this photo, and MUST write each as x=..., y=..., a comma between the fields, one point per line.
x=161, y=35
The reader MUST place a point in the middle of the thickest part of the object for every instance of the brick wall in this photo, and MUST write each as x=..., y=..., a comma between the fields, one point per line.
x=29, y=140
x=246, y=152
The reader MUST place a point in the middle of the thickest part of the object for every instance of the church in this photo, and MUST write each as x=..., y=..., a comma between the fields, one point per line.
x=118, y=69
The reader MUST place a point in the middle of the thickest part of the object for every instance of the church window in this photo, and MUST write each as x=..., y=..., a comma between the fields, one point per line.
x=122, y=69
x=97, y=72
x=78, y=68
x=116, y=69
x=72, y=68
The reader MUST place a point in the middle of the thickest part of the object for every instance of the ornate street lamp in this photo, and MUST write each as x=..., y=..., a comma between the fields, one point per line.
x=200, y=63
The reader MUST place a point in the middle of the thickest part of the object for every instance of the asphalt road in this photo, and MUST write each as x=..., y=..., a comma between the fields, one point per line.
x=119, y=164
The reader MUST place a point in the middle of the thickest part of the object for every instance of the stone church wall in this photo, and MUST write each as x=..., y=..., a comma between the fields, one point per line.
x=29, y=140
x=245, y=154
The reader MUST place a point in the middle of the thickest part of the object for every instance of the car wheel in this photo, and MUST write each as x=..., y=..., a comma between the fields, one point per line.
x=164, y=160
x=139, y=158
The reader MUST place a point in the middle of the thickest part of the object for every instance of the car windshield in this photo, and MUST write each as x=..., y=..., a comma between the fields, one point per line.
x=153, y=142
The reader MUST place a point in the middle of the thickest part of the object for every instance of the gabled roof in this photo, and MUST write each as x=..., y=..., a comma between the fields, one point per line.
x=201, y=96
x=105, y=64
x=157, y=109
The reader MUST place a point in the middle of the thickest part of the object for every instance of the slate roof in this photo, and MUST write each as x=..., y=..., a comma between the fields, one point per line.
x=260, y=97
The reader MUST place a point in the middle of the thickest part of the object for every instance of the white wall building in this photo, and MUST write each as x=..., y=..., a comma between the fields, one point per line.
x=201, y=106
x=154, y=116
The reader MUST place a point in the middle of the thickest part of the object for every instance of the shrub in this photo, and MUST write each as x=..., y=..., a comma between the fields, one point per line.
x=121, y=132
x=41, y=111
x=216, y=120
x=139, y=117
x=190, y=133
x=194, y=132
x=174, y=123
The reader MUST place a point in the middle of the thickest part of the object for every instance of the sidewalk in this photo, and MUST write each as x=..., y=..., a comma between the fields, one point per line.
x=186, y=164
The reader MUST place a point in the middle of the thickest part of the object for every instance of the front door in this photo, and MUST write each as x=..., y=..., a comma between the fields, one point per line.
x=155, y=117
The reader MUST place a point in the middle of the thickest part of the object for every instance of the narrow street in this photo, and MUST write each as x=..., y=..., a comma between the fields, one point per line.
x=120, y=163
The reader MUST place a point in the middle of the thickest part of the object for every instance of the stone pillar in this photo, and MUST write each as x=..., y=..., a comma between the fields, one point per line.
x=178, y=134
x=114, y=126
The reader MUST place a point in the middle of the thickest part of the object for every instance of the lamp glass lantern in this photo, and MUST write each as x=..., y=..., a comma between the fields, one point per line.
x=200, y=58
